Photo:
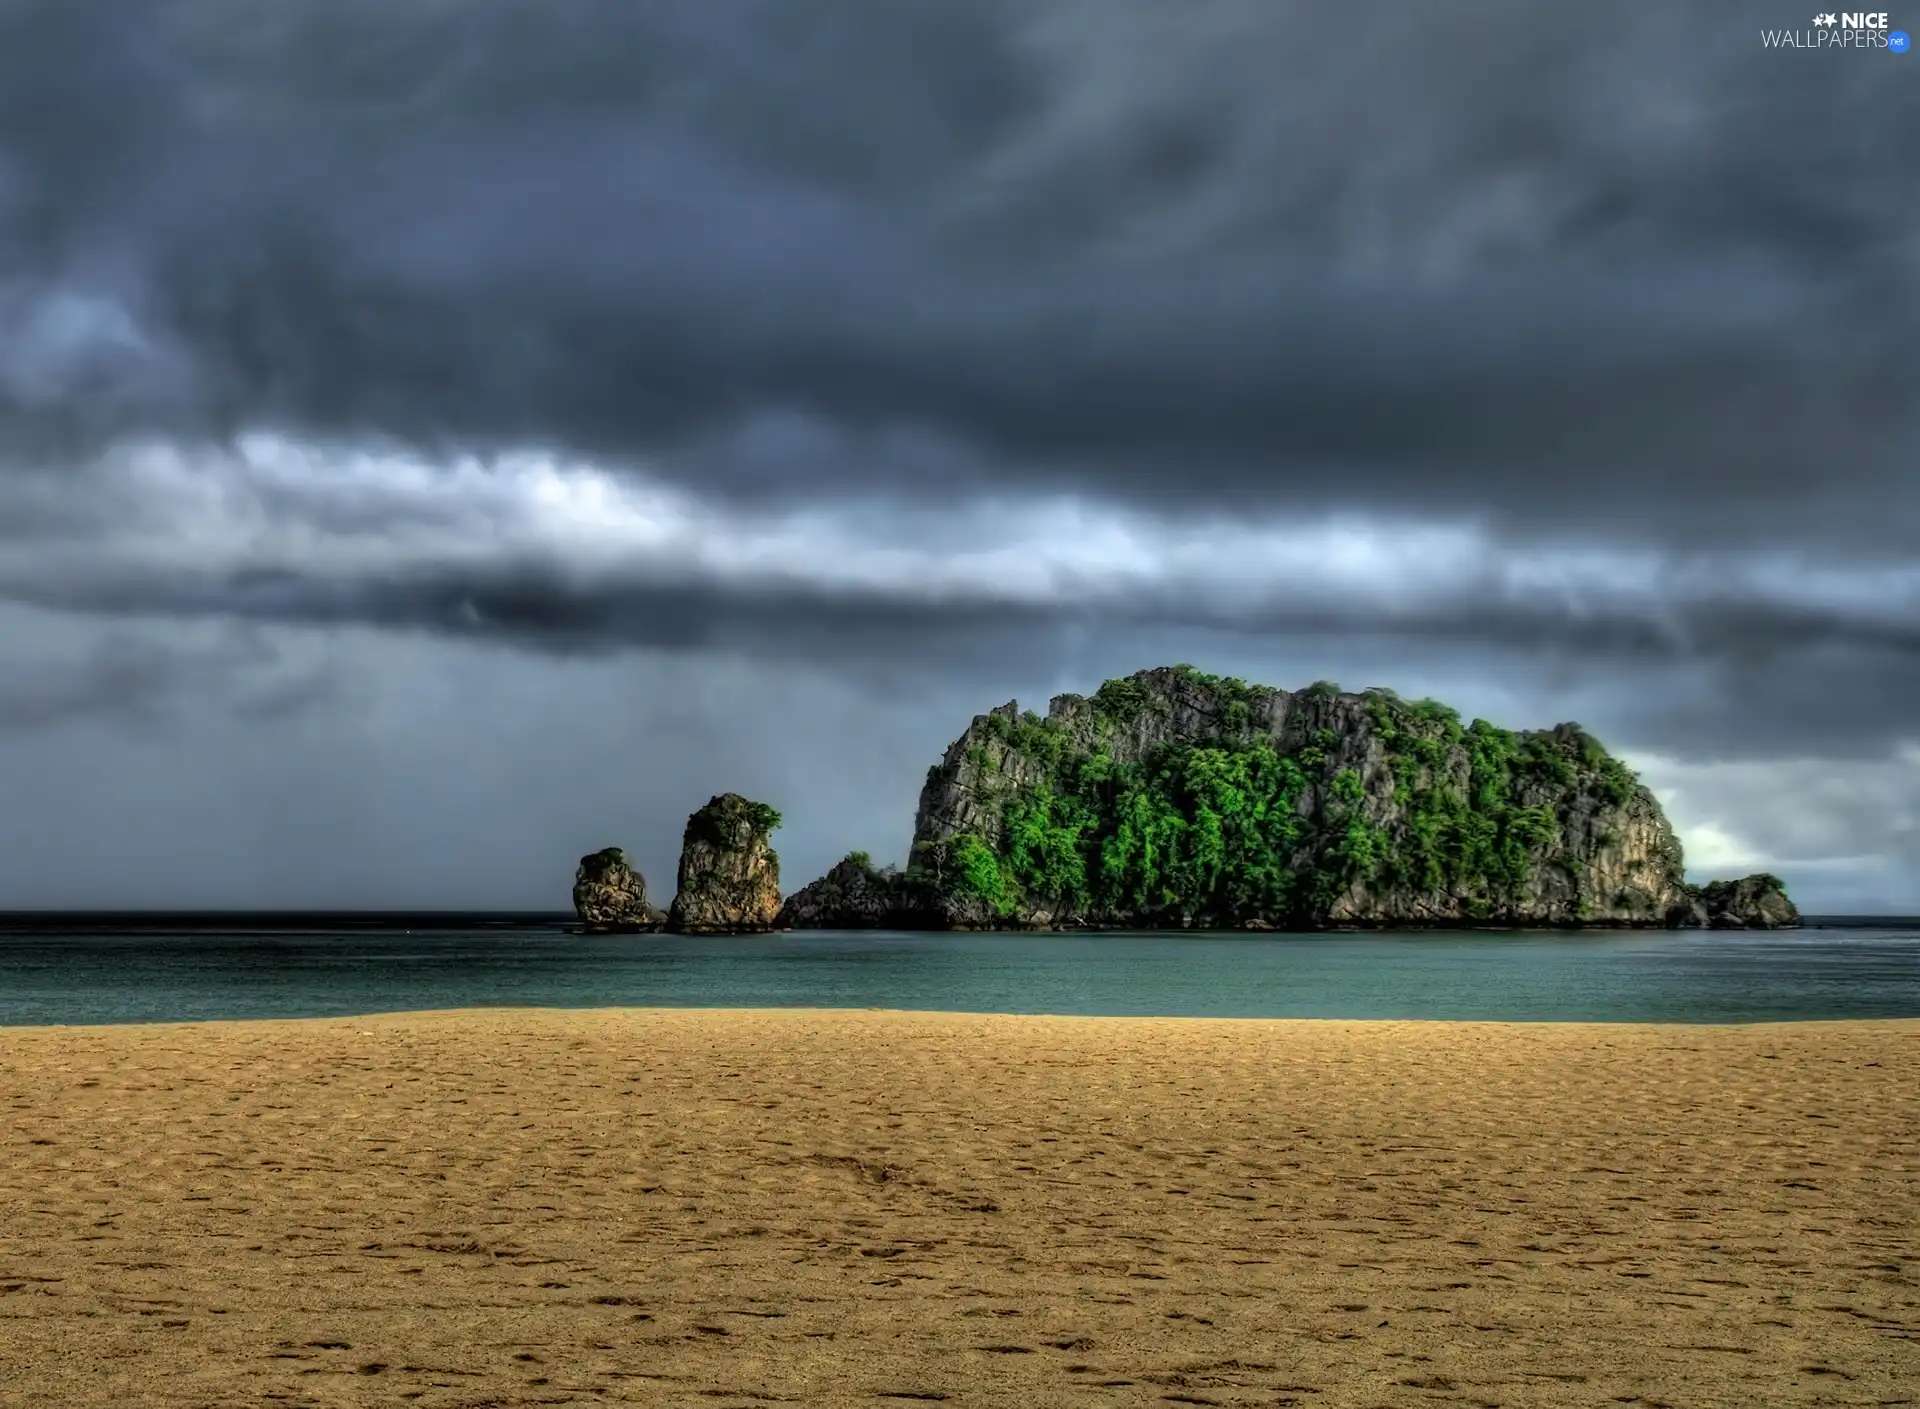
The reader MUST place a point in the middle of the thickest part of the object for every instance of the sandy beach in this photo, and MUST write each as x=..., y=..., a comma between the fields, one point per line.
x=750, y=1208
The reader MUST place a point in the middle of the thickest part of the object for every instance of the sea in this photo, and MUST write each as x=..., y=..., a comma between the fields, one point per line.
x=57, y=969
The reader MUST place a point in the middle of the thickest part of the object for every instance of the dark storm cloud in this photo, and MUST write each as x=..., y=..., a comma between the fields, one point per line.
x=1266, y=254
x=540, y=608
x=1707, y=655
x=1732, y=649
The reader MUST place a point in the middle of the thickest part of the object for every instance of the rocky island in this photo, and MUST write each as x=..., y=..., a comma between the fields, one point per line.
x=1173, y=798
x=1177, y=799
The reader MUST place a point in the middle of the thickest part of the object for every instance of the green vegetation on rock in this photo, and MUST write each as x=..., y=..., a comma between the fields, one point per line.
x=1189, y=829
x=1104, y=811
x=730, y=811
x=1178, y=798
x=1482, y=834
x=974, y=870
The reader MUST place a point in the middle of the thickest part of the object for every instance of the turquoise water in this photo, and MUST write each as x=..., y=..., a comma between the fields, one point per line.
x=156, y=974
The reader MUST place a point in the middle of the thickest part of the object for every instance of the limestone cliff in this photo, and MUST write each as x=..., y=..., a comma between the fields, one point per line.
x=729, y=880
x=609, y=894
x=1174, y=798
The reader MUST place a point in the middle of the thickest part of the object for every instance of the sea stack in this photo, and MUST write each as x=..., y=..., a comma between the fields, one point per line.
x=610, y=895
x=729, y=881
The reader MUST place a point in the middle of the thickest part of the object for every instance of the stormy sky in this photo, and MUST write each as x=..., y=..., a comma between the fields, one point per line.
x=437, y=440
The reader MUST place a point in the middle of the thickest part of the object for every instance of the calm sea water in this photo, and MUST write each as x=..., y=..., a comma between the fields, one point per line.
x=154, y=971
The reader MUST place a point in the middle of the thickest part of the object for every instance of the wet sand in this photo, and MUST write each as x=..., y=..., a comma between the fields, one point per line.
x=866, y=1208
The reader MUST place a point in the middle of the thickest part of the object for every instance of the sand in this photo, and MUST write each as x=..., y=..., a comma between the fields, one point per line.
x=873, y=1208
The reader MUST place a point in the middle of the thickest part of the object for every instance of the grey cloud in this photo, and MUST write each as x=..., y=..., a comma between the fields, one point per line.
x=532, y=596
x=1728, y=650
x=1716, y=677
x=1479, y=259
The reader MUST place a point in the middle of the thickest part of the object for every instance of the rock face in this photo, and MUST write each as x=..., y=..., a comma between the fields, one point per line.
x=729, y=879
x=609, y=894
x=1178, y=799
x=1757, y=902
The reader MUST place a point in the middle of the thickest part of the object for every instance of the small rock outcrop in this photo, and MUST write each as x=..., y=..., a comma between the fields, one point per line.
x=854, y=895
x=729, y=880
x=1757, y=902
x=610, y=895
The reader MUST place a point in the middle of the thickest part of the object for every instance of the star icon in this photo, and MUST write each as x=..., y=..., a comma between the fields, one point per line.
x=1823, y=19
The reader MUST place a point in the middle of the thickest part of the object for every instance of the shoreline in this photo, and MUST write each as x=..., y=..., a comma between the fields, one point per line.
x=643, y=1010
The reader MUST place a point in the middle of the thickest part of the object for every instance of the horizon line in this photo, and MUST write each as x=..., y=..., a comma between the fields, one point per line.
x=17, y=917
